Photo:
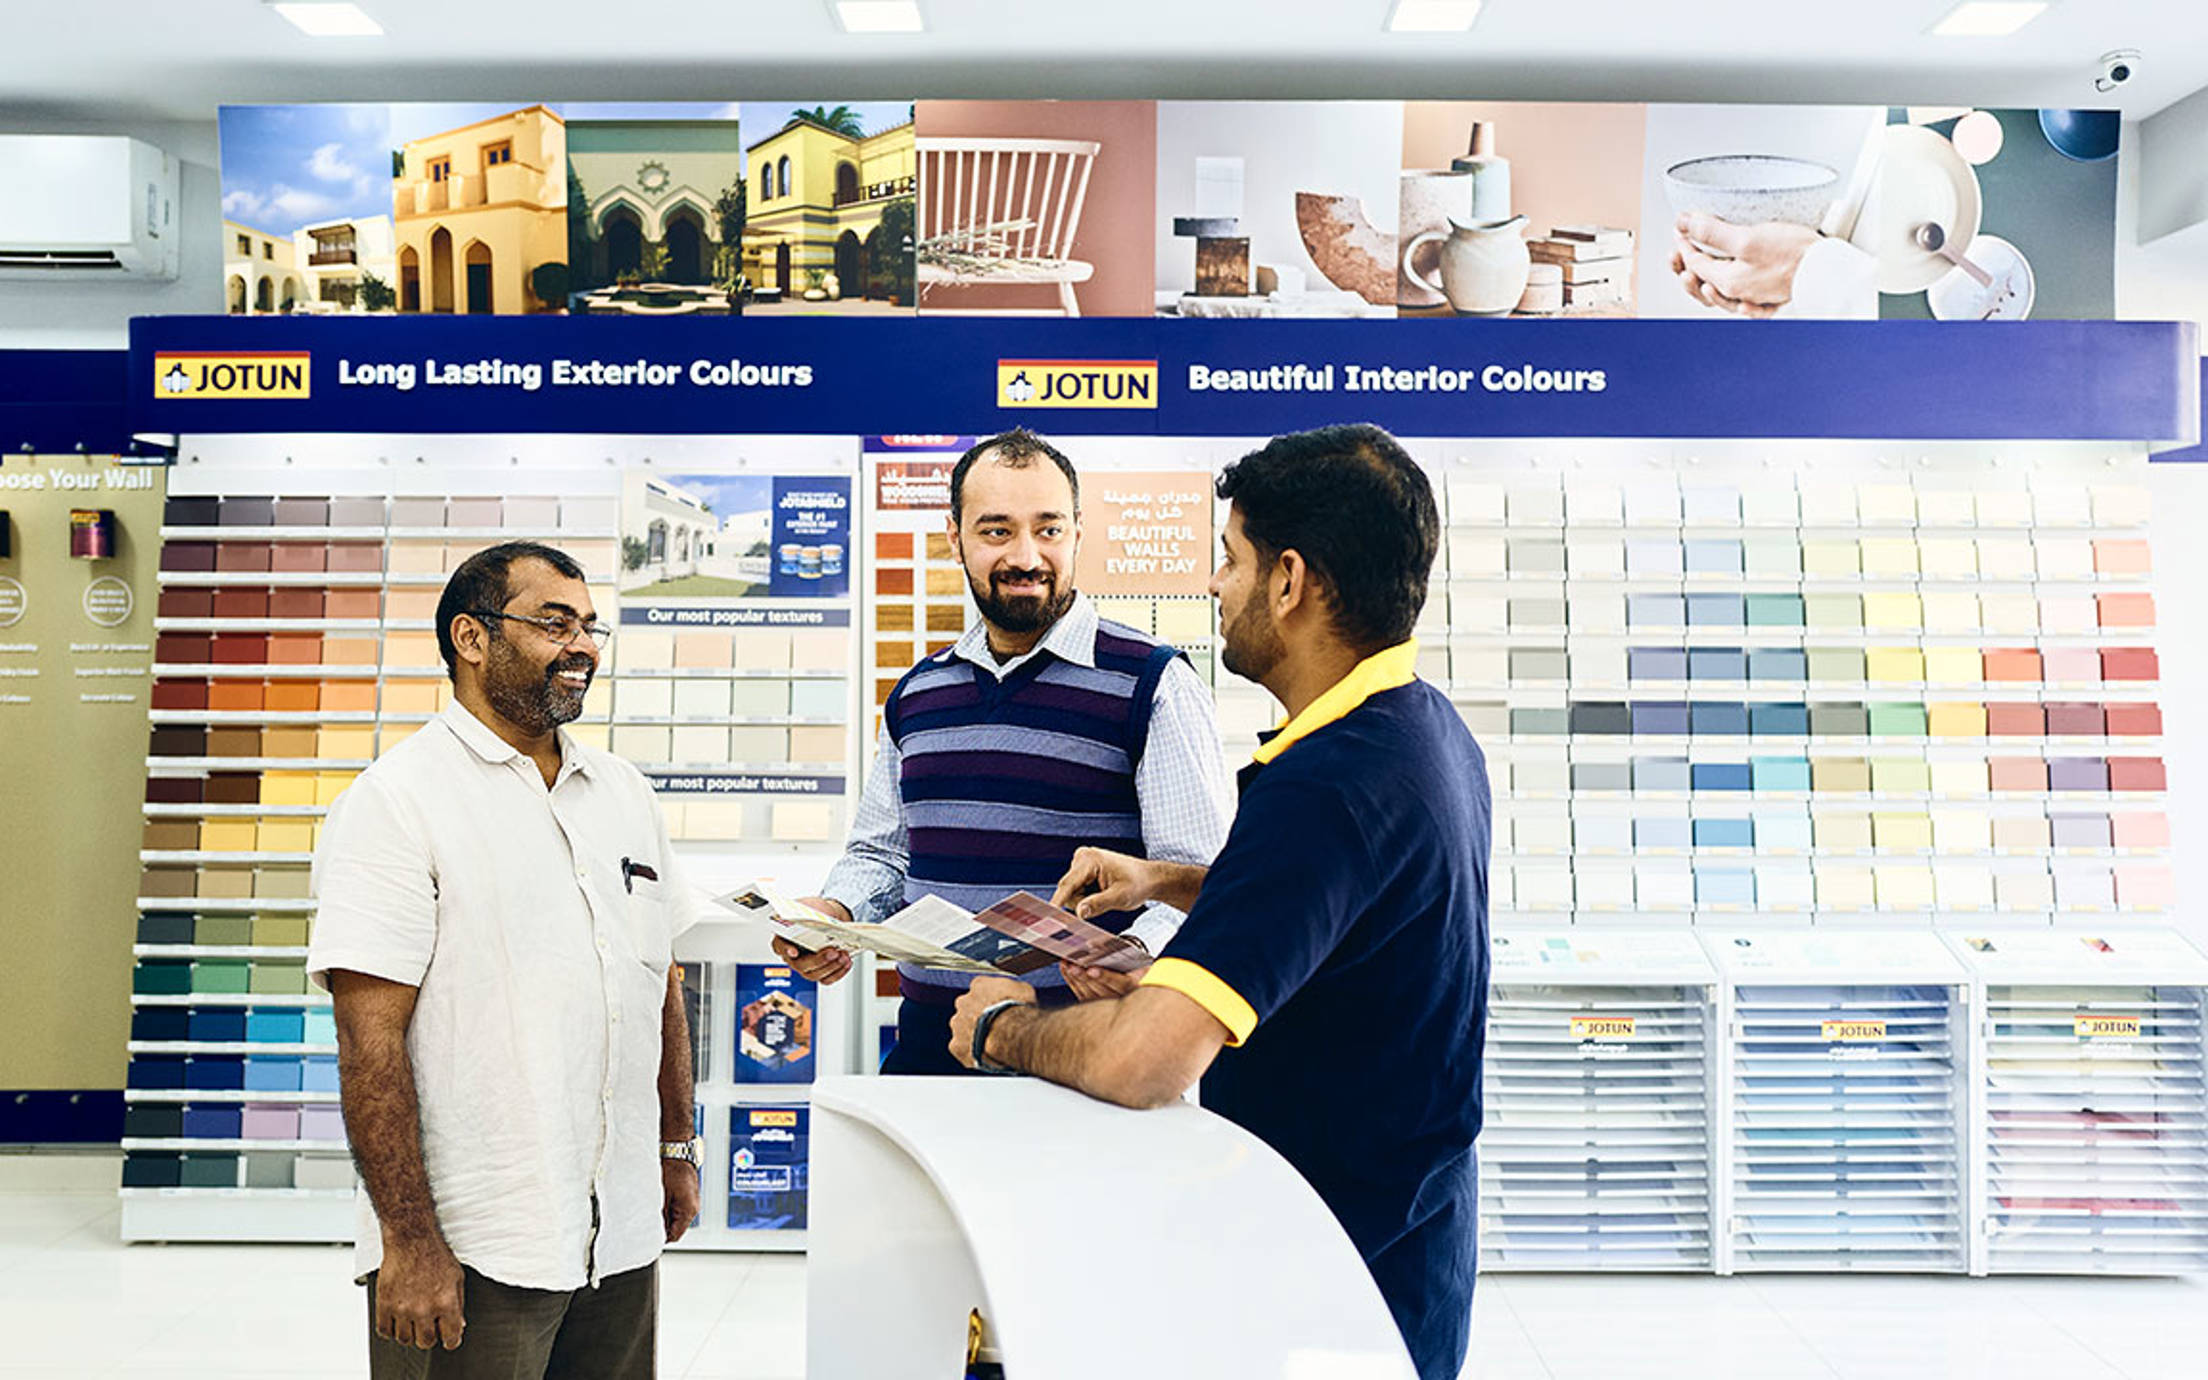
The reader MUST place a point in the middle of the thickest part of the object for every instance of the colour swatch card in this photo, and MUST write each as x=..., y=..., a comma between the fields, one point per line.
x=1809, y=689
x=917, y=596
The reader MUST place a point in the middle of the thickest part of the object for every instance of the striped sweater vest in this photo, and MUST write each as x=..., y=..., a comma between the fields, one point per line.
x=1001, y=780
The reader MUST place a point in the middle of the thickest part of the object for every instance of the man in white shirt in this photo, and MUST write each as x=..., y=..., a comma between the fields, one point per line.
x=497, y=905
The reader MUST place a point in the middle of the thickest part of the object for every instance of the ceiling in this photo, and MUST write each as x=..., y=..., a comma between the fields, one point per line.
x=121, y=60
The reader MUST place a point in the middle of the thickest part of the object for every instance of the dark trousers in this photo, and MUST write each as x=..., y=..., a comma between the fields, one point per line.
x=1426, y=1276
x=606, y=1333
x=923, y=1041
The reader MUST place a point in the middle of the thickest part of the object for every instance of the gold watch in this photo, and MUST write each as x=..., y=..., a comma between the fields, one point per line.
x=690, y=1152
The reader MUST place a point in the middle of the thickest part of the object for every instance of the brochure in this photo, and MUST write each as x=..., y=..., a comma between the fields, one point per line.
x=1015, y=937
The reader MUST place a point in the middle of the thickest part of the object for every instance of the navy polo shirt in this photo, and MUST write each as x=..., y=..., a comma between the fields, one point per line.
x=1341, y=937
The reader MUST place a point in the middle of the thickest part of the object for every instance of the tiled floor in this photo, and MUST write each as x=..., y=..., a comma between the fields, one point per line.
x=77, y=1305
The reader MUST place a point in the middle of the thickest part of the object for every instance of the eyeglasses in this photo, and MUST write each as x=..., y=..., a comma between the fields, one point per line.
x=562, y=628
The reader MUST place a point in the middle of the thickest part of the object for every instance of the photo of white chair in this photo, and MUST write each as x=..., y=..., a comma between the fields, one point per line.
x=1003, y=211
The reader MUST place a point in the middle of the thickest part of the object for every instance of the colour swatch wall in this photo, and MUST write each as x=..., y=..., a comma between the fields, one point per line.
x=1815, y=689
x=296, y=642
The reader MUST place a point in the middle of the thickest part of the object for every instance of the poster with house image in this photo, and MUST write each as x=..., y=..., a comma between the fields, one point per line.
x=829, y=221
x=656, y=206
x=700, y=537
x=306, y=209
x=410, y=208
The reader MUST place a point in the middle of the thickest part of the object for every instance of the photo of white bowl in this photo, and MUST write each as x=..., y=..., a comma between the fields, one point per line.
x=1752, y=188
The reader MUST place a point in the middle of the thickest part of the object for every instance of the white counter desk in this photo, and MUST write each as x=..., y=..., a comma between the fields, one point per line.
x=1097, y=1243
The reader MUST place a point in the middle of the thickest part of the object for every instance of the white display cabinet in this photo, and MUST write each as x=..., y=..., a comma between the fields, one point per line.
x=1597, y=1151
x=2091, y=1112
x=1843, y=1102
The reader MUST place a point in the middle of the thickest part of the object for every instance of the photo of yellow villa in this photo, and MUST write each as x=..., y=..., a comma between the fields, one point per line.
x=480, y=212
x=830, y=220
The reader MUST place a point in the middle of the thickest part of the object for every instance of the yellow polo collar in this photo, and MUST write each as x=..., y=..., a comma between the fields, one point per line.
x=1383, y=670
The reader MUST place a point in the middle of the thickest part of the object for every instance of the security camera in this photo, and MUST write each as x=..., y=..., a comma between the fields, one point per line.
x=2117, y=68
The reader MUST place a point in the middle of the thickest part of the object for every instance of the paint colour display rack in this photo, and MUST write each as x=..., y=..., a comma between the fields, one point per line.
x=1597, y=1153
x=1843, y=1101
x=2091, y=1103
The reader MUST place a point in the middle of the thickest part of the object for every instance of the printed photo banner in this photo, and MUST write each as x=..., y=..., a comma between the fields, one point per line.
x=1188, y=210
x=1923, y=380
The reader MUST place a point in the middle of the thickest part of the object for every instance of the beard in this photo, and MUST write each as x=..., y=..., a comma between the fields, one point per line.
x=533, y=702
x=1020, y=613
x=1251, y=645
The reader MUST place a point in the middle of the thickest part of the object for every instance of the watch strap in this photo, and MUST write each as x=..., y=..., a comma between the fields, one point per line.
x=986, y=1019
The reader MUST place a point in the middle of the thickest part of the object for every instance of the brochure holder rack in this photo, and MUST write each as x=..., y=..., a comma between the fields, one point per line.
x=1597, y=1150
x=2091, y=1102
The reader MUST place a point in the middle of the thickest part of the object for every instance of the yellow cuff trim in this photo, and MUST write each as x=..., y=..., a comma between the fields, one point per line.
x=1199, y=985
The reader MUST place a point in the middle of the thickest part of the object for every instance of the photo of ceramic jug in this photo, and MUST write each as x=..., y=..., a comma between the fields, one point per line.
x=1428, y=200
x=1483, y=268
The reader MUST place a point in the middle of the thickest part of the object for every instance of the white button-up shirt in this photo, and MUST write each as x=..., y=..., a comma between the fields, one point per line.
x=541, y=958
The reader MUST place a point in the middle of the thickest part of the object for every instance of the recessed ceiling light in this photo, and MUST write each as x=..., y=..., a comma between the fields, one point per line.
x=1433, y=16
x=329, y=19
x=879, y=16
x=1988, y=18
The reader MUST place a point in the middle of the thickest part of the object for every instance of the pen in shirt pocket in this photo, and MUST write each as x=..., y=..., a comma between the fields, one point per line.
x=631, y=870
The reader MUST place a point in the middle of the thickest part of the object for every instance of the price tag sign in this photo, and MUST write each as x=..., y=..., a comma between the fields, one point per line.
x=1603, y=1027
x=1855, y=1032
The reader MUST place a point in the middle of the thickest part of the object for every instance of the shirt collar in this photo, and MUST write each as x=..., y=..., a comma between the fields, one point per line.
x=484, y=742
x=1383, y=670
x=1072, y=638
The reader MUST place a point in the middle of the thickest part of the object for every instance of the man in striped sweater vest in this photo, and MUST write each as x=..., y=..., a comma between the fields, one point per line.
x=1043, y=730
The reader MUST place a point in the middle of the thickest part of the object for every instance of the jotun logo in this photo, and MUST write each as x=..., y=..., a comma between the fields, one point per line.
x=1077, y=383
x=244, y=374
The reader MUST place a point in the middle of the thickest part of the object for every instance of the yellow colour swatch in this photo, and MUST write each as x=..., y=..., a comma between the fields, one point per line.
x=1845, y=886
x=1892, y=610
x=287, y=835
x=1903, y=886
x=1901, y=829
x=1900, y=774
x=1893, y=664
x=1955, y=718
x=229, y=835
x=287, y=788
x=1831, y=558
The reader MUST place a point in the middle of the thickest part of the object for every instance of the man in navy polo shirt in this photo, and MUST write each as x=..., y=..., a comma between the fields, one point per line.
x=1330, y=983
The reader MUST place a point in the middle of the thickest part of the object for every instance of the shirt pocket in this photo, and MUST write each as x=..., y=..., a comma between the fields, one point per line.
x=650, y=937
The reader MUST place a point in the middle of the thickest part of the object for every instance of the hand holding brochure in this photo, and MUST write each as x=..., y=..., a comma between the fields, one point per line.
x=1014, y=937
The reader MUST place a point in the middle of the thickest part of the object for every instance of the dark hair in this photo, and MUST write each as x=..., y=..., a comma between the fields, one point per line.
x=1358, y=510
x=481, y=583
x=1017, y=448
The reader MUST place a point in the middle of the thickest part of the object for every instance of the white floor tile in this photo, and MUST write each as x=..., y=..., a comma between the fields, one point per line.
x=74, y=1303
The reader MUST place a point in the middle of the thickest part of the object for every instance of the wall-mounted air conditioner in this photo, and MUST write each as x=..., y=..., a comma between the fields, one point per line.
x=86, y=206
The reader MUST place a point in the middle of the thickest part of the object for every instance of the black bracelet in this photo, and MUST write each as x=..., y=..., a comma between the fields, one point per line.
x=988, y=1018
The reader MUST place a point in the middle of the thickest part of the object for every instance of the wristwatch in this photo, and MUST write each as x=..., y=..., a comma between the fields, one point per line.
x=690, y=1152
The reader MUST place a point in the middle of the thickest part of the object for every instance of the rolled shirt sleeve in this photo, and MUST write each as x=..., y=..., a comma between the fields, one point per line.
x=375, y=890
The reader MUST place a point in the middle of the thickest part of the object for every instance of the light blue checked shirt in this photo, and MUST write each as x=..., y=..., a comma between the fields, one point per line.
x=1181, y=784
